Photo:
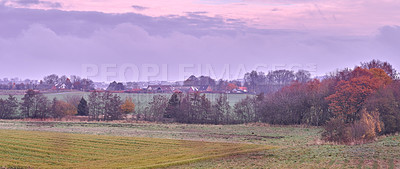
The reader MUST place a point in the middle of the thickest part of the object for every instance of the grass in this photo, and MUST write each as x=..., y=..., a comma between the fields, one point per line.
x=39, y=149
x=296, y=146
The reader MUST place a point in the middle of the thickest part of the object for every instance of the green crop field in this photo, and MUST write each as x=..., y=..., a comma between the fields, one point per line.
x=37, y=149
x=292, y=146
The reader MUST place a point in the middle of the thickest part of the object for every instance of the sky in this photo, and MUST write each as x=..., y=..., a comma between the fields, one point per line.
x=171, y=39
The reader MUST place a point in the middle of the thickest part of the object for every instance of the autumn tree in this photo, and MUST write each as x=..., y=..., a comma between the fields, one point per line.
x=351, y=95
x=349, y=105
x=128, y=106
x=61, y=109
x=73, y=100
x=385, y=66
x=386, y=101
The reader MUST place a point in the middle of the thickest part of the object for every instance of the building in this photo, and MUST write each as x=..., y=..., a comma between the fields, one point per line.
x=159, y=89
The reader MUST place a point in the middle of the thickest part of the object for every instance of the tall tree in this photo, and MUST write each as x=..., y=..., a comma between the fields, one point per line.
x=95, y=105
x=283, y=77
x=156, y=108
x=173, y=106
x=83, y=109
x=253, y=79
x=302, y=76
x=27, y=104
x=221, y=110
x=112, y=106
x=245, y=110
x=51, y=79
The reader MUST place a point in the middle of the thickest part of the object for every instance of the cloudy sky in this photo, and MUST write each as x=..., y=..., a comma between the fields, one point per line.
x=170, y=39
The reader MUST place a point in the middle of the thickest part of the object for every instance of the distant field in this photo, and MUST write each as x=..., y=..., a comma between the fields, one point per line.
x=38, y=149
x=140, y=99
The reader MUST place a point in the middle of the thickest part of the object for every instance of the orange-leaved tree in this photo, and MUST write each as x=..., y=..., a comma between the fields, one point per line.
x=350, y=96
x=128, y=106
x=231, y=86
x=352, y=121
x=61, y=109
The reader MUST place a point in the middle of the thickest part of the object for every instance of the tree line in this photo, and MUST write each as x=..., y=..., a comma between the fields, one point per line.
x=100, y=106
x=356, y=104
x=352, y=104
x=52, y=81
x=35, y=105
x=256, y=82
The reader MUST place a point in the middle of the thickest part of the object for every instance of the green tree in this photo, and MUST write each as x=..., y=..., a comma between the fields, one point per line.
x=83, y=109
x=27, y=104
x=173, y=106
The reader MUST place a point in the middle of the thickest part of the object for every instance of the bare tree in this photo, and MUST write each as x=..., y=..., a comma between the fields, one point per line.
x=221, y=110
x=8, y=107
x=155, y=110
x=51, y=79
x=95, y=106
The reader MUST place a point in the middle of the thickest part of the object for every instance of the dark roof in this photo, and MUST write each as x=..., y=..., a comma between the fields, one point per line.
x=203, y=88
x=160, y=88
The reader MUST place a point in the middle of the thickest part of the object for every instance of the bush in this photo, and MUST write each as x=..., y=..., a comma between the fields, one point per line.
x=337, y=131
x=365, y=129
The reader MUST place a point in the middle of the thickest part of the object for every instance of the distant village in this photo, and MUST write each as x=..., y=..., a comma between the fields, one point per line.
x=252, y=83
x=202, y=84
x=173, y=88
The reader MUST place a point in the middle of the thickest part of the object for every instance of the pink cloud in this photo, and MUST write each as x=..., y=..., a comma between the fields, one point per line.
x=327, y=16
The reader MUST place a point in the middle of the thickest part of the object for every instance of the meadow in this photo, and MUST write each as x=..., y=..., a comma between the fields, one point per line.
x=281, y=146
x=38, y=149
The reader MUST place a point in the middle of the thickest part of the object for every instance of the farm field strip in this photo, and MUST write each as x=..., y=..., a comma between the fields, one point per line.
x=40, y=149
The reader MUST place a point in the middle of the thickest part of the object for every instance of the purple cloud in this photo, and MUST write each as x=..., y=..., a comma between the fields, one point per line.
x=27, y=3
x=139, y=8
x=34, y=43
